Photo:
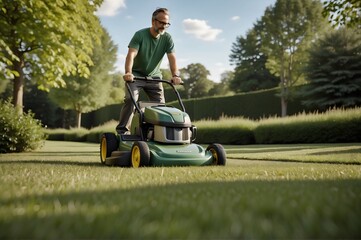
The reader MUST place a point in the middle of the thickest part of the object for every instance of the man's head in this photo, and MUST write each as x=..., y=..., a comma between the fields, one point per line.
x=160, y=20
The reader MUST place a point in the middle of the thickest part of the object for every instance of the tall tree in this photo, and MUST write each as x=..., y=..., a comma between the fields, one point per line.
x=289, y=28
x=46, y=38
x=250, y=72
x=334, y=71
x=195, y=80
x=222, y=88
x=82, y=94
x=117, y=90
x=343, y=12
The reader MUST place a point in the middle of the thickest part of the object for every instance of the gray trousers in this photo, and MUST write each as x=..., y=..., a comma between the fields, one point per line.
x=155, y=93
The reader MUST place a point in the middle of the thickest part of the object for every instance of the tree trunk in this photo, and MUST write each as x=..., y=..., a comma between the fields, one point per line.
x=283, y=106
x=78, y=119
x=284, y=89
x=18, y=89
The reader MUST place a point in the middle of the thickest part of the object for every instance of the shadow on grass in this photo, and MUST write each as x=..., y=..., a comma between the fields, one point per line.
x=53, y=162
x=347, y=151
x=240, y=209
x=297, y=161
x=289, y=148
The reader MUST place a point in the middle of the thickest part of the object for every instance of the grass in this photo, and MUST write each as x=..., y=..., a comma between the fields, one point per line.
x=63, y=192
x=313, y=153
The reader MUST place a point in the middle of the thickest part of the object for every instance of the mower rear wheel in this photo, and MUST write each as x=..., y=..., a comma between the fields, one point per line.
x=108, y=144
x=140, y=156
x=218, y=153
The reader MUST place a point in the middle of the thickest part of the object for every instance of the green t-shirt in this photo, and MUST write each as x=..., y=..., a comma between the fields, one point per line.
x=150, y=52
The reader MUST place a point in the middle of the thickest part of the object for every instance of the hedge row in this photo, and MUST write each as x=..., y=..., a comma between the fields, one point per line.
x=334, y=126
x=254, y=105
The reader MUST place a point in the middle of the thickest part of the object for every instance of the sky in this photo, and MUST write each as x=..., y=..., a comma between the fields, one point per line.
x=203, y=30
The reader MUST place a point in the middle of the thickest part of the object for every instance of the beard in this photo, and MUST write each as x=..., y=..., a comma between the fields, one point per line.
x=160, y=31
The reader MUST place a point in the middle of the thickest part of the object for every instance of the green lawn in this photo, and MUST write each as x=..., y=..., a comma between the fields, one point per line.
x=265, y=191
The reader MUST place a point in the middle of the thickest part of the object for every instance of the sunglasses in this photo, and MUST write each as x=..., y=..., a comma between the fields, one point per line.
x=166, y=25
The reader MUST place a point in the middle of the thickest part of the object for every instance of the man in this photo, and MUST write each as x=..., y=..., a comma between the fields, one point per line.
x=145, y=53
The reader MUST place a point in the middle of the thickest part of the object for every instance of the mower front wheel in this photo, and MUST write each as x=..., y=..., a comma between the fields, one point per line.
x=218, y=153
x=140, y=154
x=108, y=144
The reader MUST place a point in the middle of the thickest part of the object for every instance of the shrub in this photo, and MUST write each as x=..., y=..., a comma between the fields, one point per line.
x=333, y=126
x=226, y=130
x=19, y=132
x=81, y=134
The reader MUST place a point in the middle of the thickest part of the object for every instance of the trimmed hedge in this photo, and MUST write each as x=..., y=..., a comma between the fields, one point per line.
x=253, y=105
x=333, y=126
x=226, y=130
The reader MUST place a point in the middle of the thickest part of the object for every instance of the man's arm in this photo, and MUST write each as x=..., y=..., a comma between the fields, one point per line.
x=174, y=69
x=129, y=60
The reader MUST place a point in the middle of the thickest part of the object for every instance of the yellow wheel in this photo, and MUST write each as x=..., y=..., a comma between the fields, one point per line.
x=218, y=154
x=103, y=150
x=140, y=156
x=108, y=144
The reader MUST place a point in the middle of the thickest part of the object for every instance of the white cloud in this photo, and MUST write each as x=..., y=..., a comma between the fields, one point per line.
x=235, y=18
x=200, y=29
x=110, y=7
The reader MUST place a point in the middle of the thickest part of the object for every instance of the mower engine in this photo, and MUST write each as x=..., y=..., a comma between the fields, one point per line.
x=166, y=124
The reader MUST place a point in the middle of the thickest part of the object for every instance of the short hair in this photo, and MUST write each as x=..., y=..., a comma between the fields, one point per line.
x=159, y=10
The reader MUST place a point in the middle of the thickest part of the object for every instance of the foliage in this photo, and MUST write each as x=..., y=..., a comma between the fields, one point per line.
x=117, y=91
x=253, y=105
x=333, y=126
x=343, y=12
x=86, y=94
x=48, y=39
x=166, y=73
x=287, y=30
x=334, y=71
x=251, y=73
x=18, y=133
x=225, y=130
x=195, y=80
x=38, y=102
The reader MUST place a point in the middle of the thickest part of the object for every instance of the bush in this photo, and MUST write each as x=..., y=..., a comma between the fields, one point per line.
x=19, y=133
x=81, y=134
x=226, y=130
x=96, y=133
x=333, y=126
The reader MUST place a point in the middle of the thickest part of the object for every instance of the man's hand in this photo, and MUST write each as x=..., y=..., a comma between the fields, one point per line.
x=128, y=77
x=176, y=80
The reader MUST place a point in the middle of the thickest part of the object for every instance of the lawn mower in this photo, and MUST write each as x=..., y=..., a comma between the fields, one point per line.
x=160, y=135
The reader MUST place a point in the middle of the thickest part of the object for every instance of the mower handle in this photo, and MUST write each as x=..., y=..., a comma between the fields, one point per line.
x=155, y=80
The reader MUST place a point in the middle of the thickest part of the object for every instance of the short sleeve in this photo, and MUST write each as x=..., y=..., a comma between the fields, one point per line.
x=135, y=42
x=171, y=48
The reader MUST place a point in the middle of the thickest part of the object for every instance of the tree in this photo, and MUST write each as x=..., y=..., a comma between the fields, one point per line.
x=116, y=94
x=334, y=71
x=343, y=12
x=251, y=73
x=222, y=88
x=82, y=94
x=46, y=38
x=195, y=80
x=289, y=27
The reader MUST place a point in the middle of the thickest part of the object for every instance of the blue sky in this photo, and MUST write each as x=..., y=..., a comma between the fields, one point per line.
x=203, y=30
